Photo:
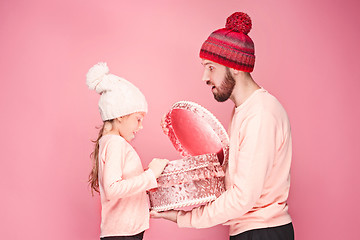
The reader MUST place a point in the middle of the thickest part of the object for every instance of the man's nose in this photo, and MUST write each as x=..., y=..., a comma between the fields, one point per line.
x=205, y=77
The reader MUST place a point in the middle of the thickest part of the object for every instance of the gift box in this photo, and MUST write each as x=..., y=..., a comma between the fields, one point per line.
x=203, y=143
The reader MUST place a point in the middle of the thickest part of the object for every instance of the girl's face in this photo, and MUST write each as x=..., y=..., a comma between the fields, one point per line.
x=130, y=124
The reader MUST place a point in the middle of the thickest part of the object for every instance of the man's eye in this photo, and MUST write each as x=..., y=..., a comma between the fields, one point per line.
x=211, y=68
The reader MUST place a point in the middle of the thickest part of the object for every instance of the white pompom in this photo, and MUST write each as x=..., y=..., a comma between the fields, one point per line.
x=96, y=74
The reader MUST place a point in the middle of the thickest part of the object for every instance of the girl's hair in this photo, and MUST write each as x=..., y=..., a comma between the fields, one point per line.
x=93, y=176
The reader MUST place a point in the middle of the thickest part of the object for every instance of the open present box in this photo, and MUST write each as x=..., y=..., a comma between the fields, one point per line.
x=203, y=143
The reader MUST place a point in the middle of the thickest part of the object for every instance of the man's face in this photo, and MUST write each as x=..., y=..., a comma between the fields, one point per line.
x=219, y=78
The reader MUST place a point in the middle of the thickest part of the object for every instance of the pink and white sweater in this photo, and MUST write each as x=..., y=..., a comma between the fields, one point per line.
x=123, y=184
x=258, y=172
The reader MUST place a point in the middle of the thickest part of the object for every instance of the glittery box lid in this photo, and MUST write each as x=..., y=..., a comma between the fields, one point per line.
x=193, y=130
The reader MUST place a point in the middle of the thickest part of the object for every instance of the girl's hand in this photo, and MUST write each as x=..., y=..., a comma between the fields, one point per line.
x=168, y=215
x=157, y=165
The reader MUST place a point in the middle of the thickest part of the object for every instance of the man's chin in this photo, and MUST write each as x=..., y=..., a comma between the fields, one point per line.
x=220, y=98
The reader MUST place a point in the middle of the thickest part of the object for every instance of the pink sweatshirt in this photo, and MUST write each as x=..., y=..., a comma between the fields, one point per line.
x=123, y=184
x=258, y=172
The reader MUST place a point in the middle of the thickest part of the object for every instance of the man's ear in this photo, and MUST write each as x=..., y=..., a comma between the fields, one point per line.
x=234, y=71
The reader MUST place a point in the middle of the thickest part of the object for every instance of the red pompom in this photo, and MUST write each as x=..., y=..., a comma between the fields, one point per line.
x=239, y=22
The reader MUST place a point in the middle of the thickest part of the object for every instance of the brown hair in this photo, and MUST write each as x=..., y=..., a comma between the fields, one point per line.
x=93, y=176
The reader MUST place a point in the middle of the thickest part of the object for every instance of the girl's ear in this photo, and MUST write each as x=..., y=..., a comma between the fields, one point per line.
x=107, y=127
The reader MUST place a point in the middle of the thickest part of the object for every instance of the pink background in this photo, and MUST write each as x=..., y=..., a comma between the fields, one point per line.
x=307, y=56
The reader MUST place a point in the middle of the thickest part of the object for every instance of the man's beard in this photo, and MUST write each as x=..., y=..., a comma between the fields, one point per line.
x=226, y=87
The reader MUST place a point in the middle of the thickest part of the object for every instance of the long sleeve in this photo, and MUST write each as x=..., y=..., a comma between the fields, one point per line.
x=122, y=184
x=249, y=167
x=115, y=184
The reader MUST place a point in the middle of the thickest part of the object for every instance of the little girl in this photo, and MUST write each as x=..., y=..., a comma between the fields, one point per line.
x=117, y=170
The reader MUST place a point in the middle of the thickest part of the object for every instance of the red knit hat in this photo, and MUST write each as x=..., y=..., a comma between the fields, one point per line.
x=231, y=46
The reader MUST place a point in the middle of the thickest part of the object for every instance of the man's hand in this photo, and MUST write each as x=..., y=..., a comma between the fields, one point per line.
x=169, y=215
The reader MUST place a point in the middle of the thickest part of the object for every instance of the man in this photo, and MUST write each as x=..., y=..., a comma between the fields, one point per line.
x=258, y=171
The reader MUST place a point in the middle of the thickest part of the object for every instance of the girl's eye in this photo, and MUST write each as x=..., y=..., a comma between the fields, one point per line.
x=211, y=68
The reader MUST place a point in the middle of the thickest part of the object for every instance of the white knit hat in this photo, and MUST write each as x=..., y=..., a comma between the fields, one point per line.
x=118, y=97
